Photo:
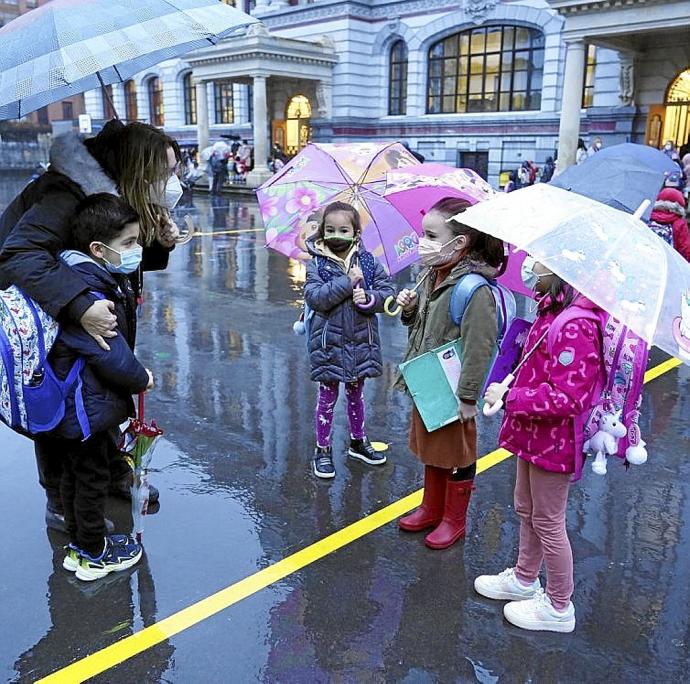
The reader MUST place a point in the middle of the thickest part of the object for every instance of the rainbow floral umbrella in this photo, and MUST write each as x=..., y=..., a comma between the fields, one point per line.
x=354, y=173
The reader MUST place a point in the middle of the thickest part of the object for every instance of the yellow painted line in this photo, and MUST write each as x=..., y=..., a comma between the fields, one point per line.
x=238, y=231
x=117, y=653
x=665, y=367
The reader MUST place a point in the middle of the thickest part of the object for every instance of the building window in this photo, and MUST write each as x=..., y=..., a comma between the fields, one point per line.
x=223, y=98
x=189, y=92
x=487, y=69
x=67, y=110
x=590, y=68
x=131, y=107
x=397, y=79
x=108, y=107
x=157, y=112
x=43, y=118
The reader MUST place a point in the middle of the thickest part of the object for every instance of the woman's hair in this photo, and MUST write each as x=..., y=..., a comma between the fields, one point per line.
x=340, y=206
x=483, y=246
x=100, y=218
x=135, y=156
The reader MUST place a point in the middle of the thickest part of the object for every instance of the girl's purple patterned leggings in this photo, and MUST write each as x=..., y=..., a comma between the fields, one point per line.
x=328, y=396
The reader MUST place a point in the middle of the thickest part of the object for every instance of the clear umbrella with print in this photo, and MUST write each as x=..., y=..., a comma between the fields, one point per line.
x=611, y=257
x=67, y=47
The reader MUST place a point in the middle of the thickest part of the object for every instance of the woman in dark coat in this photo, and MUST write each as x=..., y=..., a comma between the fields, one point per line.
x=137, y=162
x=346, y=287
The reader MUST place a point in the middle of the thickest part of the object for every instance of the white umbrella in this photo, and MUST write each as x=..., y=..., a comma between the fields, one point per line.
x=609, y=256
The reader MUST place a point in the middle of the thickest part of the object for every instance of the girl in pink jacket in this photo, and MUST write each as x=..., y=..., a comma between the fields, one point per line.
x=543, y=425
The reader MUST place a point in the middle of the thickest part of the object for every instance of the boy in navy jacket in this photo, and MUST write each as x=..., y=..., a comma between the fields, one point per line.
x=105, y=237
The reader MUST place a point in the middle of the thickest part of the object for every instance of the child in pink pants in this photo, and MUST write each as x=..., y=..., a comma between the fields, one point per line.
x=543, y=422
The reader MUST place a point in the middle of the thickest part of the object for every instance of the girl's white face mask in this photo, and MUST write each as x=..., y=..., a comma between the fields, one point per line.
x=433, y=253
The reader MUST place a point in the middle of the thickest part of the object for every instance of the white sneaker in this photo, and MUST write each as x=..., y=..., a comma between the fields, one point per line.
x=505, y=587
x=538, y=614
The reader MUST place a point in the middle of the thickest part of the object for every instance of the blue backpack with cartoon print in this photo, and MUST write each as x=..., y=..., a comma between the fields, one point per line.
x=32, y=398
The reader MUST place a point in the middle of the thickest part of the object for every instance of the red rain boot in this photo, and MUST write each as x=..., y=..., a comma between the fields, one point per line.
x=430, y=513
x=452, y=527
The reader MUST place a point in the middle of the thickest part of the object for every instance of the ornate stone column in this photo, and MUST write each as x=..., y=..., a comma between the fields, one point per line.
x=571, y=103
x=260, y=172
x=202, y=125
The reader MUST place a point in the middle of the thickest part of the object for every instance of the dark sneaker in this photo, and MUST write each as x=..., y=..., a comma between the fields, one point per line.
x=362, y=450
x=56, y=521
x=122, y=489
x=323, y=463
x=115, y=558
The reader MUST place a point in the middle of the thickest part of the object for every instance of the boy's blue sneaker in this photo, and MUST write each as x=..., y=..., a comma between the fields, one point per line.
x=120, y=553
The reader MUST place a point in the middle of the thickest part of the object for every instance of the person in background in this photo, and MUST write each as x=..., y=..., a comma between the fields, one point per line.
x=548, y=170
x=581, y=154
x=668, y=221
x=595, y=147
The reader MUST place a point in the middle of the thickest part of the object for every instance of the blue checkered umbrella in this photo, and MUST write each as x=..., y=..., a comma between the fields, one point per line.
x=70, y=46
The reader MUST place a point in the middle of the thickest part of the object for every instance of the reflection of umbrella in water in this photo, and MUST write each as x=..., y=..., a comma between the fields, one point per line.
x=609, y=256
x=138, y=442
x=67, y=47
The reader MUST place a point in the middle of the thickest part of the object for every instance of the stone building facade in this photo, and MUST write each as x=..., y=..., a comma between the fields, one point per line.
x=480, y=83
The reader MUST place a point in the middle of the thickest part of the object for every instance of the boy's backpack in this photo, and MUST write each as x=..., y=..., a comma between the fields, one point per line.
x=625, y=357
x=662, y=230
x=512, y=331
x=32, y=398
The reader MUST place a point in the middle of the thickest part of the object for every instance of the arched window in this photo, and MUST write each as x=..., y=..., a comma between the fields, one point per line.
x=677, y=118
x=131, y=107
x=224, y=104
x=487, y=69
x=590, y=68
x=157, y=113
x=397, y=79
x=189, y=94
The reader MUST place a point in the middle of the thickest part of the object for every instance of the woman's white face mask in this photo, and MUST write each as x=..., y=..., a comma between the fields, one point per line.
x=169, y=195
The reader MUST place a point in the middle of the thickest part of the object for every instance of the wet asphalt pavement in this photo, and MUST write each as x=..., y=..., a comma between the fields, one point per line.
x=234, y=396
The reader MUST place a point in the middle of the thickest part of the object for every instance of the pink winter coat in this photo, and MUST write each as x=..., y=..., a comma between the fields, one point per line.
x=546, y=409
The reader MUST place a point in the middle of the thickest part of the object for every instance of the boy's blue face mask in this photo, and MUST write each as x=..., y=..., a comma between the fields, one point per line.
x=129, y=260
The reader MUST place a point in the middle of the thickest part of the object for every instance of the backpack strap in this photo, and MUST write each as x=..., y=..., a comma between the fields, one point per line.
x=462, y=294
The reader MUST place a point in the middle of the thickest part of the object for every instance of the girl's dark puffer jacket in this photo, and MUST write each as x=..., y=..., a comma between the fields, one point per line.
x=344, y=343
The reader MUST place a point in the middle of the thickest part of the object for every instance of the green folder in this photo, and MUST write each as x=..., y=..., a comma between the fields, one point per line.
x=432, y=380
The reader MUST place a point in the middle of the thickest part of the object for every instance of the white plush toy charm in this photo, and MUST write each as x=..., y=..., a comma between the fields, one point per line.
x=604, y=442
x=636, y=455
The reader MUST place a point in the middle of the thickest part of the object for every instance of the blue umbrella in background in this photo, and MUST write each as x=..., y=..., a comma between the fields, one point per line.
x=621, y=176
x=68, y=47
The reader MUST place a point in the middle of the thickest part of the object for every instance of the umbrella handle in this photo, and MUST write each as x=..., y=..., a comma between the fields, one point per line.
x=641, y=209
x=387, y=306
x=140, y=412
x=492, y=410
